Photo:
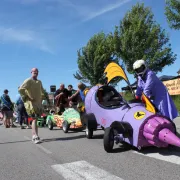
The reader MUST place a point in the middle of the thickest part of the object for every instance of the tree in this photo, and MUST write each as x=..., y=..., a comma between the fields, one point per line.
x=93, y=58
x=140, y=37
x=172, y=12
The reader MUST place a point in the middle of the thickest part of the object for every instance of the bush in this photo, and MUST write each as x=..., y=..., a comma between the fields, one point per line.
x=128, y=95
x=176, y=100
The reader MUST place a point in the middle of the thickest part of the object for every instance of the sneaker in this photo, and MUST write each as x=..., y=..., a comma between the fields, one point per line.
x=36, y=138
x=36, y=141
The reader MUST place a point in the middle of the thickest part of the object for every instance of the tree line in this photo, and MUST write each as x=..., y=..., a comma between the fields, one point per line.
x=138, y=36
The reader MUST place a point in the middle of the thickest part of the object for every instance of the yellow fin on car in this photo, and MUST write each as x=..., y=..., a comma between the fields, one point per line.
x=114, y=70
x=149, y=106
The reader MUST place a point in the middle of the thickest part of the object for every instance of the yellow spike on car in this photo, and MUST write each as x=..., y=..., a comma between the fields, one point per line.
x=114, y=70
x=149, y=105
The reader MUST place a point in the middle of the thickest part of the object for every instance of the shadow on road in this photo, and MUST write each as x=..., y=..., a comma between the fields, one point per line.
x=15, y=142
x=99, y=136
x=171, y=150
x=55, y=129
x=122, y=148
x=64, y=138
x=71, y=130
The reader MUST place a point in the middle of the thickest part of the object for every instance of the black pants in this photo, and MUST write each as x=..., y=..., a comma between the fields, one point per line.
x=22, y=114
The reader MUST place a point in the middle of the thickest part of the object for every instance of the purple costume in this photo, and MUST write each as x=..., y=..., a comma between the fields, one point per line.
x=157, y=92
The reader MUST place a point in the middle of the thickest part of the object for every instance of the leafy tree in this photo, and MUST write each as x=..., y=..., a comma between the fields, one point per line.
x=140, y=37
x=173, y=13
x=93, y=58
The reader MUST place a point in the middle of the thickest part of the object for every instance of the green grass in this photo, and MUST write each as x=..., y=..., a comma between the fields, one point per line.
x=128, y=96
x=176, y=100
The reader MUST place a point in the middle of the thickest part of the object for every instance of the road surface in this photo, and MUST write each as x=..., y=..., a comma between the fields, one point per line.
x=71, y=156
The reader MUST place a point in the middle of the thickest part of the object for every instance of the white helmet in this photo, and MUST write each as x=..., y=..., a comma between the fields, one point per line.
x=140, y=67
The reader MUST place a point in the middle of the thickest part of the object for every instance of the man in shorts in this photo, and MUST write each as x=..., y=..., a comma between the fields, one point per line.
x=7, y=110
x=32, y=94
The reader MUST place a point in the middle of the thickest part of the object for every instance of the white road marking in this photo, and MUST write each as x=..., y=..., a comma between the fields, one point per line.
x=44, y=149
x=169, y=158
x=82, y=170
x=40, y=146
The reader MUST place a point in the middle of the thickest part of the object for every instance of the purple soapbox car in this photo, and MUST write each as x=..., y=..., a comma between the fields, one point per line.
x=136, y=123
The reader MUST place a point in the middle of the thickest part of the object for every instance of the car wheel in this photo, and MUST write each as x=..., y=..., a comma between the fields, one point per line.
x=50, y=125
x=65, y=126
x=89, y=133
x=42, y=124
x=108, y=139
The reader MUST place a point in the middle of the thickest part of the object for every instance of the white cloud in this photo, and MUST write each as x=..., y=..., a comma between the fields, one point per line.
x=86, y=12
x=105, y=9
x=23, y=36
x=10, y=34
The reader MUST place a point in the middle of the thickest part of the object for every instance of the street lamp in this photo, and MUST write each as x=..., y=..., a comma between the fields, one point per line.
x=53, y=90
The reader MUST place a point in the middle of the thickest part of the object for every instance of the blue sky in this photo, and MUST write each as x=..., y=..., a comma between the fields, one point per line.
x=47, y=34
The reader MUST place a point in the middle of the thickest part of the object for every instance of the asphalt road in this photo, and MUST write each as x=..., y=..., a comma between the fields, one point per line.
x=71, y=156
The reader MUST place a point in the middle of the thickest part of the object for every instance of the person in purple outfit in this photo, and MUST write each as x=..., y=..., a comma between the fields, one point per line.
x=154, y=89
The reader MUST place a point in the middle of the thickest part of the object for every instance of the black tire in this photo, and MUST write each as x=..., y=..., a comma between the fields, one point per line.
x=89, y=133
x=108, y=139
x=89, y=120
x=42, y=124
x=82, y=119
x=50, y=125
x=65, y=126
x=90, y=123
